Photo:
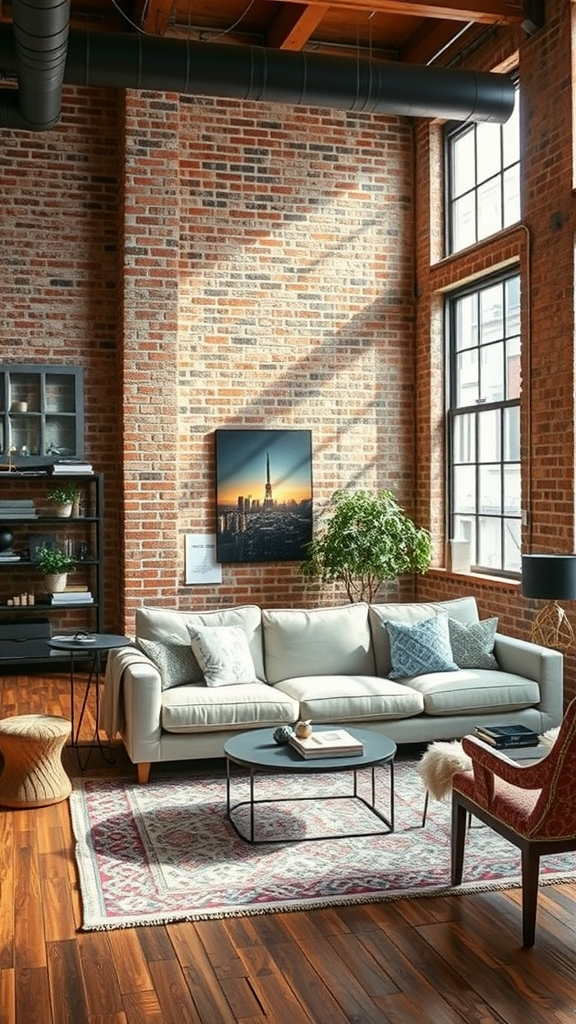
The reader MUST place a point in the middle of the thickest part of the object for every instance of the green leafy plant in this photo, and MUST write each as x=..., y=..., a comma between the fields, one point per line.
x=65, y=494
x=367, y=539
x=53, y=561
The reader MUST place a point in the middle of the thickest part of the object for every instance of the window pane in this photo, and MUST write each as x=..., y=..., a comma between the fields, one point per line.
x=463, y=222
x=512, y=434
x=492, y=373
x=467, y=378
x=491, y=314
x=512, y=490
x=463, y=528
x=511, y=136
x=464, y=496
x=489, y=543
x=463, y=169
x=512, y=545
x=465, y=438
x=512, y=304
x=489, y=436
x=466, y=322
x=511, y=187
x=488, y=146
x=490, y=484
x=513, y=369
x=489, y=208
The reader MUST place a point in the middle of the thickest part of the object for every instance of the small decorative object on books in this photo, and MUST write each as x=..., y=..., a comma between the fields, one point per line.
x=330, y=743
x=508, y=736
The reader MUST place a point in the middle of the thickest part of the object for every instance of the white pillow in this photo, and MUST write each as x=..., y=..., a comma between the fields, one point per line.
x=223, y=655
x=174, y=660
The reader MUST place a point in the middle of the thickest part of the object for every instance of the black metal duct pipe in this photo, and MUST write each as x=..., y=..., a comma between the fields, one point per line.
x=123, y=61
x=40, y=39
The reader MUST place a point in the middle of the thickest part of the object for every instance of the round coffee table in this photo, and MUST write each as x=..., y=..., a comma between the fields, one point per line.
x=257, y=751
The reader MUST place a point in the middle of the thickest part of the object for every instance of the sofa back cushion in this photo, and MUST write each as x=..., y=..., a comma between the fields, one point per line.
x=464, y=609
x=158, y=623
x=317, y=642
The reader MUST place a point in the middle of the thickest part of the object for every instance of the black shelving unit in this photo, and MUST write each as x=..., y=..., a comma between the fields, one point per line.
x=25, y=626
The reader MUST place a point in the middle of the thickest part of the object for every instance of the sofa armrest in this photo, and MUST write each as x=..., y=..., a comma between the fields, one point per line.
x=542, y=664
x=132, y=702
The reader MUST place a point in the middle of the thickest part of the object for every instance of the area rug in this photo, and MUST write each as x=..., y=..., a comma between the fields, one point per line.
x=166, y=851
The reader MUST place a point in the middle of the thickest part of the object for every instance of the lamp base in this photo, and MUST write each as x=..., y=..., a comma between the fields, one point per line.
x=552, y=628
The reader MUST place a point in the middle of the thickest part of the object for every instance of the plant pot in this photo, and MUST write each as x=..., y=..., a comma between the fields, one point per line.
x=64, y=510
x=56, y=582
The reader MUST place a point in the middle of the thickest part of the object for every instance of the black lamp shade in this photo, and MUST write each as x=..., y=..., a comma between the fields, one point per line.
x=549, y=577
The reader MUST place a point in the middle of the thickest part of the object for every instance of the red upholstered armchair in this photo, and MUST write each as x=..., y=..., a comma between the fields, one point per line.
x=533, y=806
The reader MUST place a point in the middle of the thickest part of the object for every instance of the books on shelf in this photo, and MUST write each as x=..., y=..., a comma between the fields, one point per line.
x=329, y=743
x=9, y=556
x=71, y=597
x=507, y=736
x=19, y=508
x=70, y=466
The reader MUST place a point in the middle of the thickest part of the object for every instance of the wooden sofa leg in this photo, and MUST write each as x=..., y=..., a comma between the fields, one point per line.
x=143, y=771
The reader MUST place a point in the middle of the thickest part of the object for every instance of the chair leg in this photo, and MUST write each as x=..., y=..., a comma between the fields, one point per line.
x=459, y=827
x=530, y=874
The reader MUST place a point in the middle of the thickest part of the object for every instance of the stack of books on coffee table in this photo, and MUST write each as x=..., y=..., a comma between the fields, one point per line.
x=329, y=743
x=507, y=737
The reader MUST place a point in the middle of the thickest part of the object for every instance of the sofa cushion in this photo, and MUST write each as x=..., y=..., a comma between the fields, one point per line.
x=473, y=643
x=157, y=623
x=317, y=642
x=223, y=655
x=351, y=698
x=420, y=647
x=174, y=659
x=199, y=708
x=471, y=690
x=464, y=609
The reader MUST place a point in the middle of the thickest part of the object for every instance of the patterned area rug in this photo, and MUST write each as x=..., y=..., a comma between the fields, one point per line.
x=166, y=851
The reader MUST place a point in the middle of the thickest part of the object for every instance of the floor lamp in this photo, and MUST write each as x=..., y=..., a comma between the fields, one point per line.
x=550, y=578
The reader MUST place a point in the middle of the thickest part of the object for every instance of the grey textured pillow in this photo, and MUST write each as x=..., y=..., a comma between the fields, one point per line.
x=174, y=660
x=223, y=654
x=473, y=643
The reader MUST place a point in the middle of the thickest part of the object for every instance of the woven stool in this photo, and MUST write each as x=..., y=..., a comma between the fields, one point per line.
x=33, y=775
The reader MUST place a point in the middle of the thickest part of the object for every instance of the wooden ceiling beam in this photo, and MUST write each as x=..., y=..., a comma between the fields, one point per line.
x=294, y=25
x=428, y=40
x=488, y=12
x=152, y=16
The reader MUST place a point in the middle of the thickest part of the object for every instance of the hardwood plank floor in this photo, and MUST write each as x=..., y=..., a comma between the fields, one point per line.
x=446, y=960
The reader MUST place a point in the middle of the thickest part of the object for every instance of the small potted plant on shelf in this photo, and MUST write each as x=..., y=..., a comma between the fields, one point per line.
x=55, y=564
x=66, y=498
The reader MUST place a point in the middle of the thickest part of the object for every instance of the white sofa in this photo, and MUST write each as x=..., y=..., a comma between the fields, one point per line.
x=326, y=664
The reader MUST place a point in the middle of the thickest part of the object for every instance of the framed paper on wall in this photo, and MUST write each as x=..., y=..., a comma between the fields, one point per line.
x=263, y=495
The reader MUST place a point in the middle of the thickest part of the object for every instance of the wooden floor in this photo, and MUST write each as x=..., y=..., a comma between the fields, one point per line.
x=451, y=960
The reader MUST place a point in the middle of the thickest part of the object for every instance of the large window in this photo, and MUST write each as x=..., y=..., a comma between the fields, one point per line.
x=483, y=163
x=483, y=325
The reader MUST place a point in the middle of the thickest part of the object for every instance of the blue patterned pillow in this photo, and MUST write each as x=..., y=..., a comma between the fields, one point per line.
x=420, y=648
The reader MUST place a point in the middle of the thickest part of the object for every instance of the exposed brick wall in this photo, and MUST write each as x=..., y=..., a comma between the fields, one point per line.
x=280, y=295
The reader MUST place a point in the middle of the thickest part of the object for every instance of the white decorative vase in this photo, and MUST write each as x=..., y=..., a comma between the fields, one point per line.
x=64, y=510
x=56, y=582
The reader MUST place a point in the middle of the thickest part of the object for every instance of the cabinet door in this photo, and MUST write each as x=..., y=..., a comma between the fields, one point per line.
x=41, y=414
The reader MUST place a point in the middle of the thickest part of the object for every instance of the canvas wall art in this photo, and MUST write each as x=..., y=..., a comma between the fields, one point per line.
x=263, y=495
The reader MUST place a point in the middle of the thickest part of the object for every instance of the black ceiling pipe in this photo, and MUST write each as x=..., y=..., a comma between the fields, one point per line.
x=40, y=39
x=127, y=61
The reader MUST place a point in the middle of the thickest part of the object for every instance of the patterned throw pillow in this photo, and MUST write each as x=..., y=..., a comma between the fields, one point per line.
x=472, y=644
x=420, y=648
x=174, y=660
x=223, y=655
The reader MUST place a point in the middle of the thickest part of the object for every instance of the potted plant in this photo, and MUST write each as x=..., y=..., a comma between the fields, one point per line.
x=55, y=564
x=65, y=496
x=367, y=538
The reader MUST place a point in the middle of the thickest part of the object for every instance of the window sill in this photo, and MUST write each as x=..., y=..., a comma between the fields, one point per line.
x=477, y=578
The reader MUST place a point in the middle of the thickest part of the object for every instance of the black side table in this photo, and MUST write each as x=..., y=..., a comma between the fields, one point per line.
x=82, y=647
